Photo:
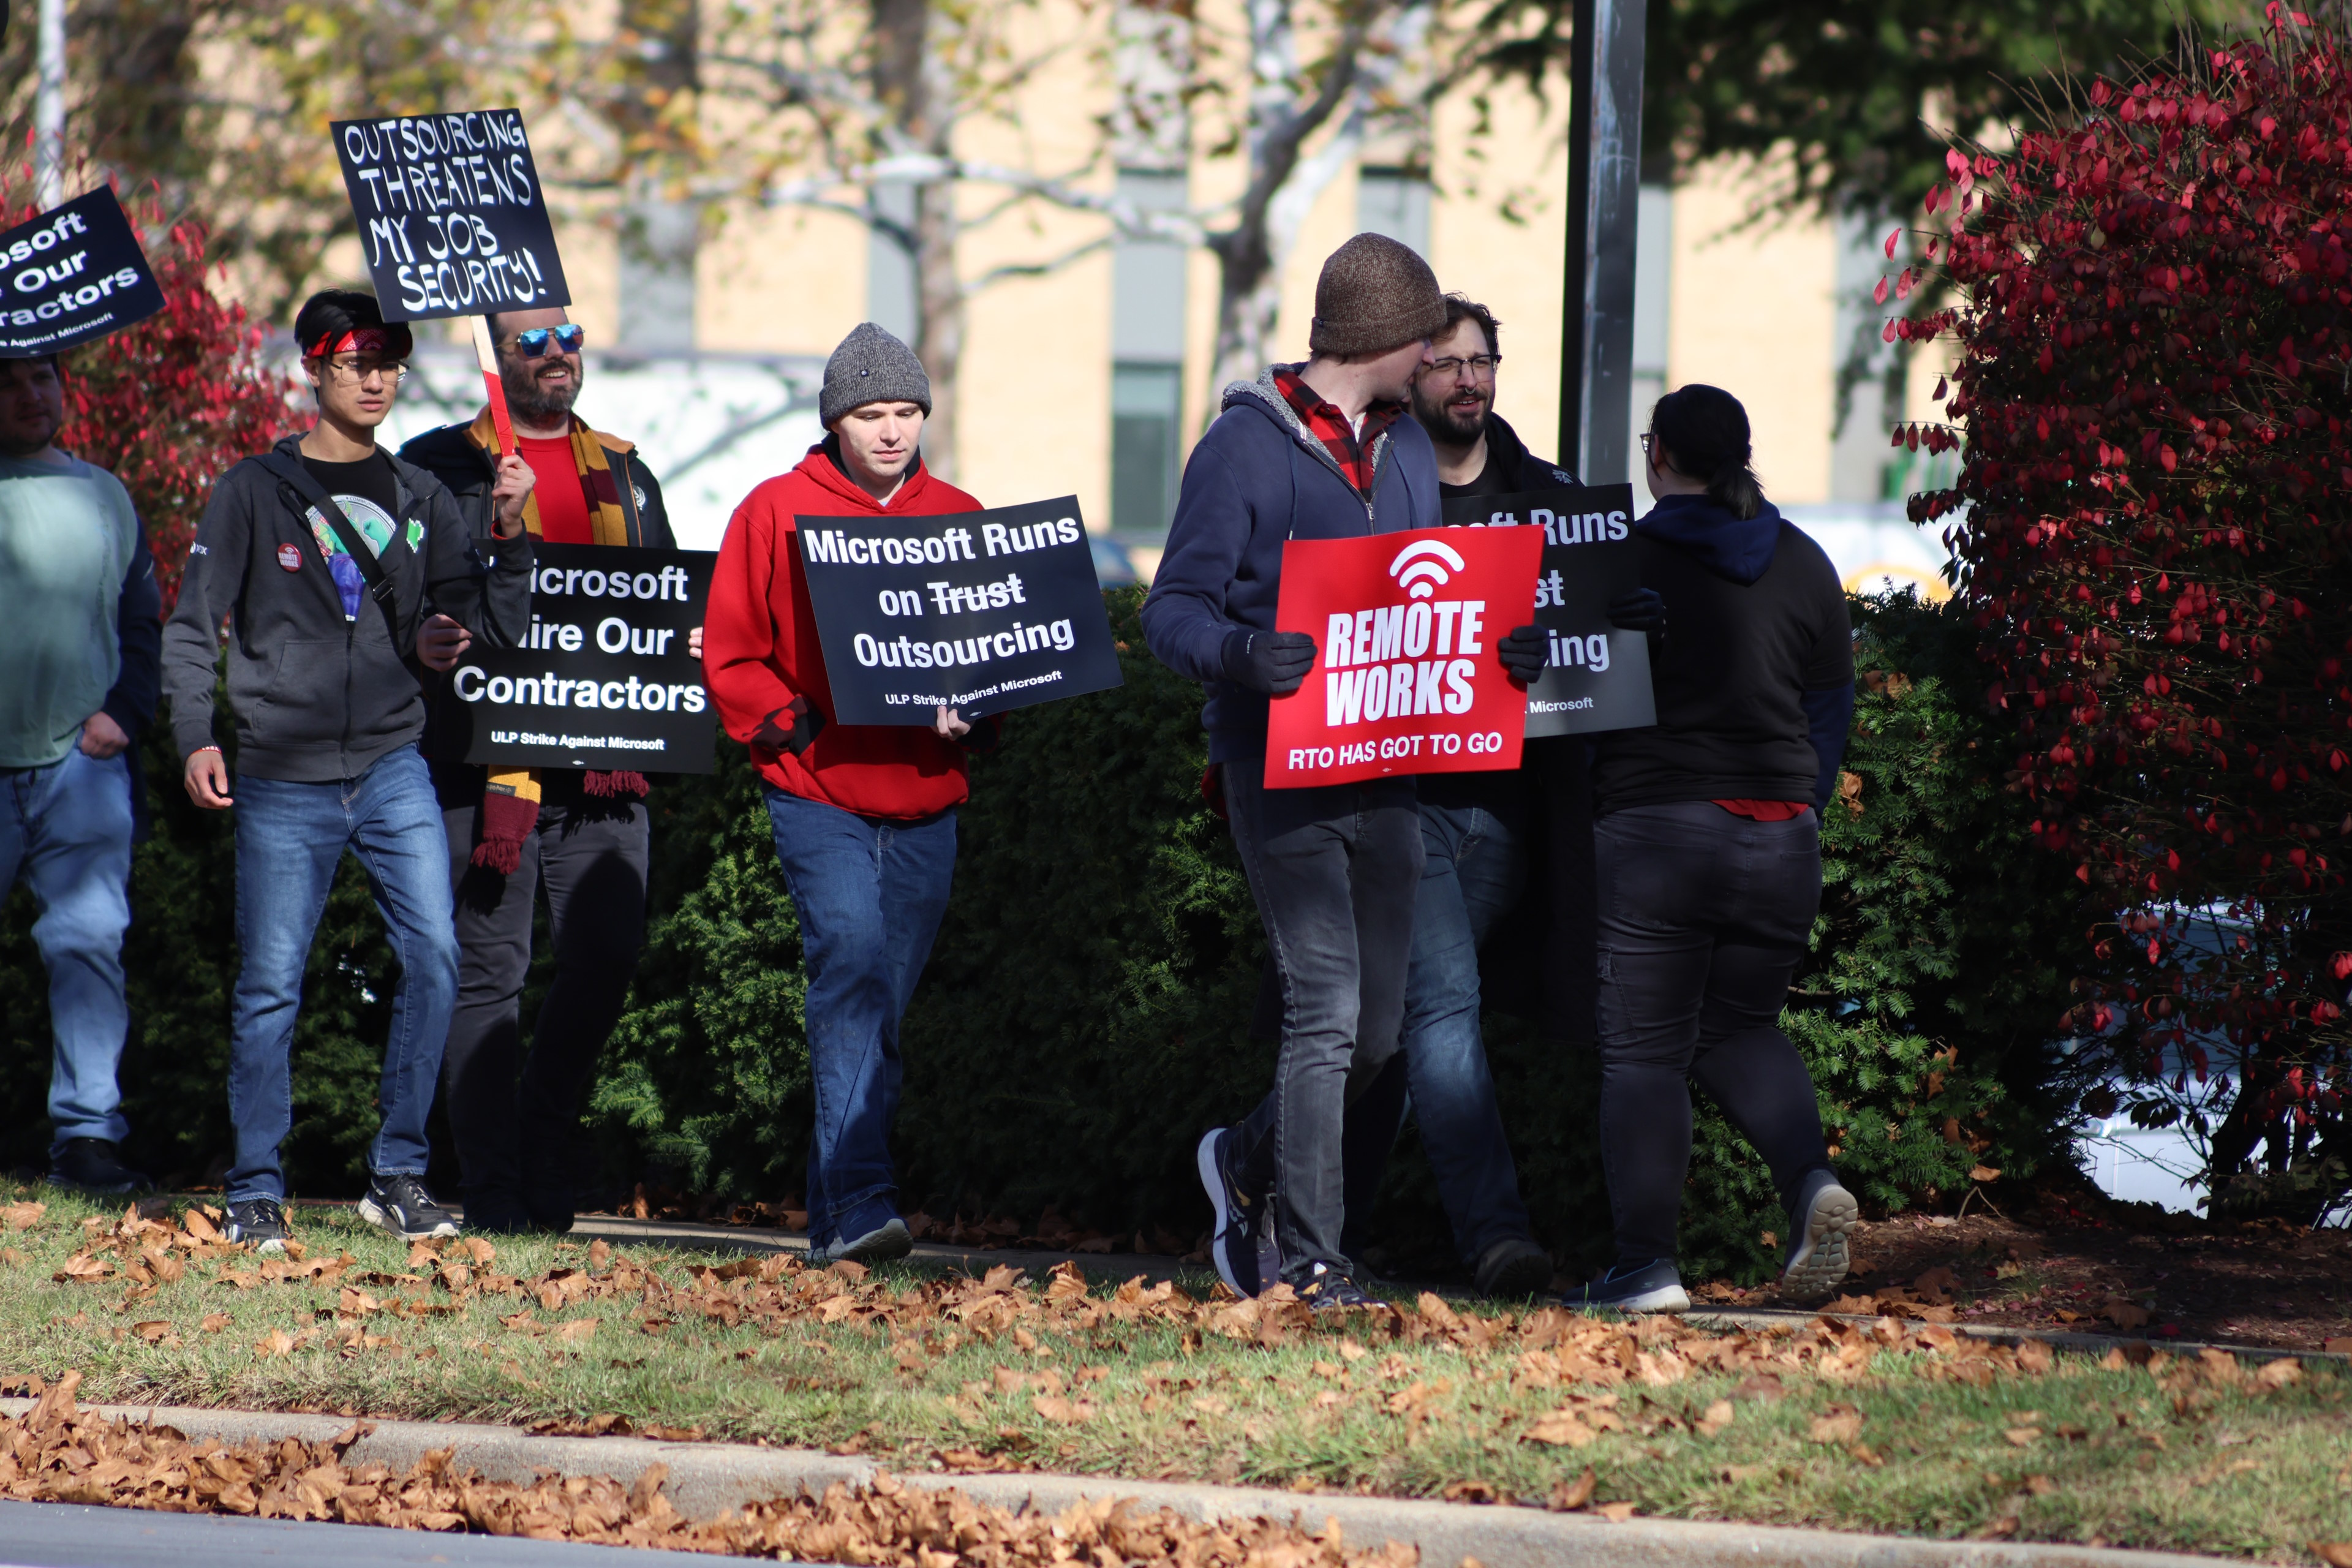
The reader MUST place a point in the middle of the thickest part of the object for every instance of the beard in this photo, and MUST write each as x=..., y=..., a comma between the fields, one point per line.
x=1449, y=423
x=534, y=404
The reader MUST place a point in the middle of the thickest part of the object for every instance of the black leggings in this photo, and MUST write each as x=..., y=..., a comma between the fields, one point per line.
x=1704, y=915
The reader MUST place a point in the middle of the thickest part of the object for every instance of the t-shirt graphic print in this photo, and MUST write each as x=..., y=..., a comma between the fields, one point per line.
x=376, y=525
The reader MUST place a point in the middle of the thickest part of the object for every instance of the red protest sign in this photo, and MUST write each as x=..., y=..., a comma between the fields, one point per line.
x=1406, y=680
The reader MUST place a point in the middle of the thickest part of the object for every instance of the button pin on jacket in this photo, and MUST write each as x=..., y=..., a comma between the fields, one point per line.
x=289, y=557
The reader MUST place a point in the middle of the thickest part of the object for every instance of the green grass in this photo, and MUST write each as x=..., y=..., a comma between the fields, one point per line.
x=2180, y=1460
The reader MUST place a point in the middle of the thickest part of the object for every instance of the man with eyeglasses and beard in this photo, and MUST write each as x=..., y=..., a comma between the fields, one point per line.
x=346, y=574
x=583, y=835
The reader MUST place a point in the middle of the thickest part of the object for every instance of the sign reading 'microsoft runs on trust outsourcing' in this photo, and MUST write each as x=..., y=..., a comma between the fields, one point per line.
x=979, y=611
x=603, y=680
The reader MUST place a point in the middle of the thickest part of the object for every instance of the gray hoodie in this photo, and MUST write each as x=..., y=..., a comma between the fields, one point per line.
x=317, y=698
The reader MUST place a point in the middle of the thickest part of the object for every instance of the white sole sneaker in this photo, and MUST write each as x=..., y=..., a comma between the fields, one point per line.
x=382, y=1219
x=1212, y=1181
x=1822, y=1257
x=884, y=1244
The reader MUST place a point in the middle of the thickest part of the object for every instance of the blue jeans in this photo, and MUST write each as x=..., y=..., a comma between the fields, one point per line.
x=1473, y=867
x=290, y=839
x=870, y=893
x=67, y=826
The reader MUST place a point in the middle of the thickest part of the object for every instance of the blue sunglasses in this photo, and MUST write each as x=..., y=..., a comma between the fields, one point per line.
x=532, y=343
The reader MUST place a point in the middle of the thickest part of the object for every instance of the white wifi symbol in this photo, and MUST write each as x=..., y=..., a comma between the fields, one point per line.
x=1419, y=568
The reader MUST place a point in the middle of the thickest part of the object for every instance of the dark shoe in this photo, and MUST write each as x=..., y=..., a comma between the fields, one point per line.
x=1243, y=1244
x=1329, y=1290
x=1818, y=1223
x=94, y=1165
x=1641, y=1287
x=402, y=1206
x=498, y=1214
x=548, y=1211
x=881, y=1244
x=1512, y=1269
x=259, y=1223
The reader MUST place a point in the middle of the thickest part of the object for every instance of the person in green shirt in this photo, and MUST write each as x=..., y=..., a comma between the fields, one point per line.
x=81, y=643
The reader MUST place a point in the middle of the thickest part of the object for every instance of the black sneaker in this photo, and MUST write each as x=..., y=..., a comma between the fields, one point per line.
x=1818, y=1223
x=1655, y=1286
x=498, y=1213
x=402, y=1206
x=1513, y=1267
x=95, y=1166
x=1329, y=1290
x=1244, y=1234
x=258, y=1223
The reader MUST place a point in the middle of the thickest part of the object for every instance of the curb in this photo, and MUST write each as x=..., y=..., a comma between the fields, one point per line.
x=2069, y=1339
x=707, y=1478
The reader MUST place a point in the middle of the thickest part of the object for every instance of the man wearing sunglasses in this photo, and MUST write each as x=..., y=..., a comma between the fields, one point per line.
x=583, y=835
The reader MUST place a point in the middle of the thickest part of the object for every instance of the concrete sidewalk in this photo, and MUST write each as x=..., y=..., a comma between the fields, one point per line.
x=709, y=1479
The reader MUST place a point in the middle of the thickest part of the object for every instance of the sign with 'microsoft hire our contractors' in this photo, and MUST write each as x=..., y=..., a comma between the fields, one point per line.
x=1598, y=677
x=978, y=611
x=1406, y=677
x=603, y=680
x=71, y=276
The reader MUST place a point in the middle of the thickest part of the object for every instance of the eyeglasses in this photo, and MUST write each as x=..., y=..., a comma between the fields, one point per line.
x=353, y=370
x=1482, y=366
x=531, y=342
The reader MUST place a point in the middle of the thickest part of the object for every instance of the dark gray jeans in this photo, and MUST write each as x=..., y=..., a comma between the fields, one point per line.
x=513, y=1113
x=1334, y=872
x=1704, y=915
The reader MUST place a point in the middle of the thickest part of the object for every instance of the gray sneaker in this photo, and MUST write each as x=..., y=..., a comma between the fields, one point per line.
x=880, y=1245
x=258, y=1223
x=1818, y=1223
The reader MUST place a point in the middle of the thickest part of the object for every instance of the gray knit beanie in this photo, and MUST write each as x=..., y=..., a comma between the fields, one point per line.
x=871, y=366
x=1374, y=295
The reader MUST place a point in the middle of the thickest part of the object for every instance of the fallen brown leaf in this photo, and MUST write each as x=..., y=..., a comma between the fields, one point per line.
x=1718, y=1416
x=1568, y=1496
x=1838, y=1424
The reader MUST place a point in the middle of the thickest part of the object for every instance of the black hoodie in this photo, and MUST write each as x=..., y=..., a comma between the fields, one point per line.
x=317, y=696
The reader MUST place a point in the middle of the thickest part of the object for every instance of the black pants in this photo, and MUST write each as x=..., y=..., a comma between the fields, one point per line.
x=513, y=1114
x=1334, y=872
x=1704, y=915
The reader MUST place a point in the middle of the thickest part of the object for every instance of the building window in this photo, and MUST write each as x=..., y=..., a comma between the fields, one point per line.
x=1146, y=402
x=1393, y=202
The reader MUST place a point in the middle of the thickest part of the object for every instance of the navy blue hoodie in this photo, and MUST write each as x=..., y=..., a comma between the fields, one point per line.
x=1754, y=678
x=1255, y=481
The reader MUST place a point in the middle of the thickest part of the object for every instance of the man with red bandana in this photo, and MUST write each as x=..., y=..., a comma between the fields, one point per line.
x=344, y=573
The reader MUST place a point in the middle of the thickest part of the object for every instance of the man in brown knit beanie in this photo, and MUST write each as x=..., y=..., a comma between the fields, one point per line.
x=1317, y=451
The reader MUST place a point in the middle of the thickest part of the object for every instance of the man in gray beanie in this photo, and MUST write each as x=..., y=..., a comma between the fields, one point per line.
x=1318, y=450
x=864, y=816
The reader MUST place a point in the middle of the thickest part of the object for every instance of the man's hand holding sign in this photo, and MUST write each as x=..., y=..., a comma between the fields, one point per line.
x=1406, y=675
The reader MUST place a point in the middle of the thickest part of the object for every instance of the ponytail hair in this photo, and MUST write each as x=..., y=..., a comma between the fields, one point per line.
x=1704, y=430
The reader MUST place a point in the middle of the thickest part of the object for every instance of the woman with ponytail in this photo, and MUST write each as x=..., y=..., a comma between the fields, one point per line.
x=1707, y=845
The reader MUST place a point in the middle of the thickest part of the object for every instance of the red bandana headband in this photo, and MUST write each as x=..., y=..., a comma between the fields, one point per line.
x=359, y=339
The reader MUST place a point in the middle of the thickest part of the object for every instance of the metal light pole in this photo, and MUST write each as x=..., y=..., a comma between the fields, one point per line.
x=50, y=105
x=1604, y=171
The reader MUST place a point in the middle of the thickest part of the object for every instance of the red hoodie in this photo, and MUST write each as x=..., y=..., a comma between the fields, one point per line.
x=759, y=651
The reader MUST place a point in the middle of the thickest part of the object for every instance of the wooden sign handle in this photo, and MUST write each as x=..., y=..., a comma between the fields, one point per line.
x=486, y=354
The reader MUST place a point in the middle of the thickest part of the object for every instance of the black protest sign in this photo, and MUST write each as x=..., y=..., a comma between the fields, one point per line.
x=1599, y=678
x=981, y=611
x=452, y=218
x=603, y=679
x=72, y=275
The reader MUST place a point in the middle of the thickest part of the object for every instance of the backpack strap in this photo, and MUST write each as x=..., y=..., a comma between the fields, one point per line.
x=291, y=473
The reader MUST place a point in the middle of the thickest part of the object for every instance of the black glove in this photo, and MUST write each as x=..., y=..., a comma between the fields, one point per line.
x=1272, y=662
x=1638, y=610
x=1525, y=654
x=790, y=728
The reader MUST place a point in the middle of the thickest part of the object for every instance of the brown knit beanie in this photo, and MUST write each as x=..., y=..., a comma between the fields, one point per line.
x=1374, y=295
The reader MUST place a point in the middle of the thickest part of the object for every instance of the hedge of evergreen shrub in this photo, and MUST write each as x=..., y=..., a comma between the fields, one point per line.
x=1084, y=1014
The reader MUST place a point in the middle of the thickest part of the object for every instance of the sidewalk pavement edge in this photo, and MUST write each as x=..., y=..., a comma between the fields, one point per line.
x=709, y=1479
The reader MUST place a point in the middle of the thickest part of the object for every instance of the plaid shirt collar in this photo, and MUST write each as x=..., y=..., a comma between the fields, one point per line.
x=1351, y=452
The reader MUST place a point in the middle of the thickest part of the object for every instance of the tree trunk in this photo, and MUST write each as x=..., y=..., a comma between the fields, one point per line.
x=912, y=81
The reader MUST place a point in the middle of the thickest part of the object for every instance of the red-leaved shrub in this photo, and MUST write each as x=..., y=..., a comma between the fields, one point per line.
x=2154, y=377
x=170, y=403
